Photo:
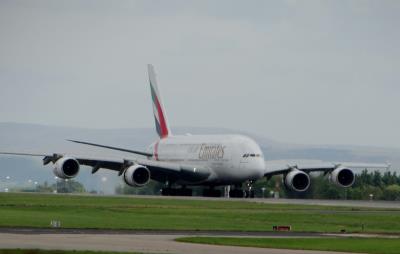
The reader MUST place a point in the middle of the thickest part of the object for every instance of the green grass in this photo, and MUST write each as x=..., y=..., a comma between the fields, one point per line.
x=356, y=245
x=34, y=210
x=36, y=251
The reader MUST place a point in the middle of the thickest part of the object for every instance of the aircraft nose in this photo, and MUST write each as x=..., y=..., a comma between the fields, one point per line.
x=261, y=165
x=258, y=167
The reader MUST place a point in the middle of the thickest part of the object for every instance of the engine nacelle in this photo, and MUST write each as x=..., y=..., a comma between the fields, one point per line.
x=137, y=176
x=342, y=177
x=297, y=180
x=66, y=168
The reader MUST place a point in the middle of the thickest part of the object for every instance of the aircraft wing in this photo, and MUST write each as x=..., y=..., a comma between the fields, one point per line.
x=282, y=167
x=160, y=171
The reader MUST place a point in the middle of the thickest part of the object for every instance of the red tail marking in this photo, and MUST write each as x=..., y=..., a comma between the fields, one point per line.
x=163, y=125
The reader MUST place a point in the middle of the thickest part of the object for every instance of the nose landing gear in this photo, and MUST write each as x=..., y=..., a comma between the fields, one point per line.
x=249, y=191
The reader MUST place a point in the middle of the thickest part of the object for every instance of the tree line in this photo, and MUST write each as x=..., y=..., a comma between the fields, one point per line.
x=61, y=186
x=368, y=186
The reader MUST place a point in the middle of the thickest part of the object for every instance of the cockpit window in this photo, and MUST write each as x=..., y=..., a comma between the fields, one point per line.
x=246, y=155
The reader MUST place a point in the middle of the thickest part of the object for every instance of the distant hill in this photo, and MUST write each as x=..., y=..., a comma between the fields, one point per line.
x=32, y=138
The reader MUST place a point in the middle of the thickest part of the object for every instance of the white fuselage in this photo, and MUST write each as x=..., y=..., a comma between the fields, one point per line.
x=231, y=158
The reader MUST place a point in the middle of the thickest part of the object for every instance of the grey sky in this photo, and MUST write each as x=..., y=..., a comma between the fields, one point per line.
x=314, y=72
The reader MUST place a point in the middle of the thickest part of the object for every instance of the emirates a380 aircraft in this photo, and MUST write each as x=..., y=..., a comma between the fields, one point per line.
x=202, y=160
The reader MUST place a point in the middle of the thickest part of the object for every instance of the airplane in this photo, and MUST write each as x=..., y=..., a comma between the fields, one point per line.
x=181, y=161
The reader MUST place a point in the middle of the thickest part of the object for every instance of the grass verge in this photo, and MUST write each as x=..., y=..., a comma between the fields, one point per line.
x=97, y=212
x=355, y=245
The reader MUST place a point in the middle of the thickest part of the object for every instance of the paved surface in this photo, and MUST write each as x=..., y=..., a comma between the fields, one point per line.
x=146, y=243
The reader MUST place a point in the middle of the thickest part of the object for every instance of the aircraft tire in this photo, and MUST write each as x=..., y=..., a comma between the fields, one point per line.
x=236, y=193
x=166, y=192
x=211, y=193
x=184, y=192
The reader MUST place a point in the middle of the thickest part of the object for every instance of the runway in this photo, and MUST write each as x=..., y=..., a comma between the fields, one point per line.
x=138, y=242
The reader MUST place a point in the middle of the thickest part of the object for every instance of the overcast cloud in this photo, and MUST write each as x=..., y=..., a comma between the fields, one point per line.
x=312, y=72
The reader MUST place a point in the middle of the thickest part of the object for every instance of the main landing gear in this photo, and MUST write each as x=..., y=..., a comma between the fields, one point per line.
x=211, y=192
x=238, y=192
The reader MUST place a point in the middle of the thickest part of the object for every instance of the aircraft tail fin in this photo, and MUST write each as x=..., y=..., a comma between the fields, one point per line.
x=160, y=115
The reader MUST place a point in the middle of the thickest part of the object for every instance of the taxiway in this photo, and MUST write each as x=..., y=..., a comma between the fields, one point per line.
x=144, y=243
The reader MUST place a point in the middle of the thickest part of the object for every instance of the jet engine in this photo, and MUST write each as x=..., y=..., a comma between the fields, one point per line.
x=66, y=168
x=137, y=176
x=297, y=180
x=342, y=177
